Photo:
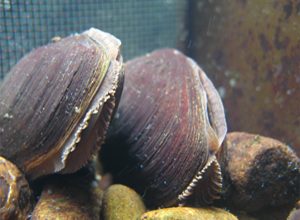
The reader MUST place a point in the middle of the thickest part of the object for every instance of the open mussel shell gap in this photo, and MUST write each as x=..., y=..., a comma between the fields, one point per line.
x=169, y=124
x=55, y=98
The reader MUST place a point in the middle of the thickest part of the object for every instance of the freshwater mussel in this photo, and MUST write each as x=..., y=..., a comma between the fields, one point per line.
x=15, y=194
x=57, y=101
x=167, y=130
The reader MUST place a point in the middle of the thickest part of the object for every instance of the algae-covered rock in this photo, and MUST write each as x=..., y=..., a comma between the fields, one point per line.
x=260, y=173
x=251, y=51
x=186, y=213
x=122, y=203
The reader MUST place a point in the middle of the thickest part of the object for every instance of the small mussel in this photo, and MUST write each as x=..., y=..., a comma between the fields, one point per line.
x=169, y=125
x=57, y=101
x=15, y=195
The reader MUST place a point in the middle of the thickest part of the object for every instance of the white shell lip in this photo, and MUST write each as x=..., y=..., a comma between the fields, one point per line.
x=92, y=114
x=106, y=40
x=109, y=43
x=213, y=192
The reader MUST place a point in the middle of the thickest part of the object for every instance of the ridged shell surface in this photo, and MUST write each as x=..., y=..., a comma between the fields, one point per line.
x=166, y=131
x=57, y=97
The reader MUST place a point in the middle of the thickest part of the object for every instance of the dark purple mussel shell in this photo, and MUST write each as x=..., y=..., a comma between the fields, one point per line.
x=169, y=125
x=57, y=101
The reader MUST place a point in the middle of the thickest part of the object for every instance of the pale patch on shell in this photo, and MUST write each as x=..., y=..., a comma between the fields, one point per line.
x=106, y=40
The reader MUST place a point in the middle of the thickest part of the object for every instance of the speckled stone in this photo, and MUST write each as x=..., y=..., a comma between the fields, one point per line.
x=186, y=213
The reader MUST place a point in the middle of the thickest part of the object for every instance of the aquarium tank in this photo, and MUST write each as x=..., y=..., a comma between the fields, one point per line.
x=161, y=109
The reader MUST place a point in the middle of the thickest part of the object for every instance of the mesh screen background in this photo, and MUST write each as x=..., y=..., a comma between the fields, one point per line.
x=142, y=25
